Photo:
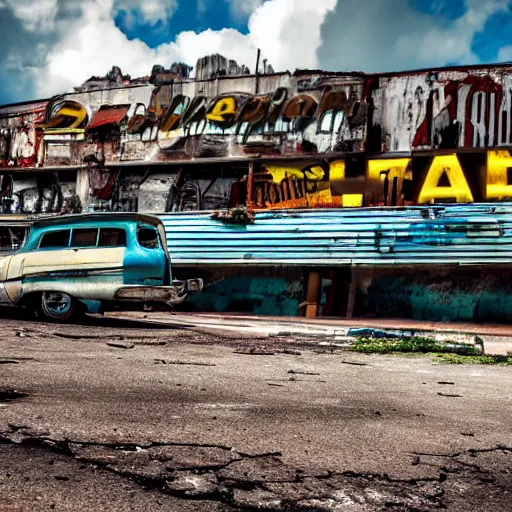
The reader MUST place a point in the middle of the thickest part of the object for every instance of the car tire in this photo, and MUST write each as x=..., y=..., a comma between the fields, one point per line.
x=58, y=306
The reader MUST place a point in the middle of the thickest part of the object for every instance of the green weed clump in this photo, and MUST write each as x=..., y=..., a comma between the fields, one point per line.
x=447, y=353
x=481, y=359
x=407, y=345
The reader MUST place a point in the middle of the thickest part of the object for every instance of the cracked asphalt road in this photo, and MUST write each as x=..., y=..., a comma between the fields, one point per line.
x=117, y=415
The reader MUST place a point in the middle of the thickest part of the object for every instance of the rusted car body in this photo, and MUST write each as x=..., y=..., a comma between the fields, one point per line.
x=91, y=263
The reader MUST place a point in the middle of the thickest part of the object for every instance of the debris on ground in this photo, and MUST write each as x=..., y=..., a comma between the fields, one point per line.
x=125, y=346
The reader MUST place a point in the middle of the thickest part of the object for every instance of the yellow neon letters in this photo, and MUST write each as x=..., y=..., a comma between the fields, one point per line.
x=458, y=189
x=498, y=163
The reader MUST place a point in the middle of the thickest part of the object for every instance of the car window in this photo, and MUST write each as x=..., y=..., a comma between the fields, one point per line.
x=84, y=238
x=111, y=237
x=55, y=239
x=11, y=238
x=148, y=238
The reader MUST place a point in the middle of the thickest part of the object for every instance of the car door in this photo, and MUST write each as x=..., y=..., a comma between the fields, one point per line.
x=146, y=262
x=72, y=253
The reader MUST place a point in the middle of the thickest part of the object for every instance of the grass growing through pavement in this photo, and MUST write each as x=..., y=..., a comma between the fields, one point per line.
x=480, y=359
x=456, y=353
x=423, y=345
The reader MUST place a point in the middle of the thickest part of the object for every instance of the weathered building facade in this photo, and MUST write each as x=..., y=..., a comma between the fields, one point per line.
x=322, y=190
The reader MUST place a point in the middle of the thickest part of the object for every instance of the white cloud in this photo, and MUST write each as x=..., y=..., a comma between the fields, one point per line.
x=150, y=11
x=242, y=9
x=34, y=16
x=287, y=31
x=505, y=54
x=393, y=36
x=82, y=40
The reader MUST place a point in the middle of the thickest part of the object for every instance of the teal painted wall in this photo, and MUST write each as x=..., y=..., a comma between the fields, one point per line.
x=471, y=296
x=267, y=292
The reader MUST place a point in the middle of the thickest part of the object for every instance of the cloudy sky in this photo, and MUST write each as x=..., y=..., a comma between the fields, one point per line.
x=48, y=46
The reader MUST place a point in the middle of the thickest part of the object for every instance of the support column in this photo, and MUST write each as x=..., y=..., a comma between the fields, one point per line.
x=250, y=187
x=352, y=292
x=313, y=294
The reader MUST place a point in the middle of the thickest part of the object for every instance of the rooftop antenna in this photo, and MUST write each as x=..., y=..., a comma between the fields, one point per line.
x=258, y=72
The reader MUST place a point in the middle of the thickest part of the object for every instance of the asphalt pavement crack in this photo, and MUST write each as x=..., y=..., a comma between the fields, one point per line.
x=221, y=473
x=183, y=363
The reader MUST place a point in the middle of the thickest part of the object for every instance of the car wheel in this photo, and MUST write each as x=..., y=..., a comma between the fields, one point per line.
x=58, y=306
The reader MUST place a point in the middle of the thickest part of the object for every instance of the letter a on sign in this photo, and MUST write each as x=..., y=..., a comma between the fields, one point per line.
x=445, y=180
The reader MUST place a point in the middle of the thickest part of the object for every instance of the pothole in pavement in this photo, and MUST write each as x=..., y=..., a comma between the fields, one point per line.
x=8, y=395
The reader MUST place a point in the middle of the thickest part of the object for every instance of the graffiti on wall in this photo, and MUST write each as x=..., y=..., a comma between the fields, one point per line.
x=20, y=141
x=327, y=119
x=442, y=110
x=311, y=113
x=154, y=123
x=321, y=137
x=385, y=182
x=324, y=120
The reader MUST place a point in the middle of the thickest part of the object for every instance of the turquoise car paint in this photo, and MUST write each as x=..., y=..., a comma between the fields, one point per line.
x=92, y=306
x=99, y=269
x=145, y=266
x=140, y=266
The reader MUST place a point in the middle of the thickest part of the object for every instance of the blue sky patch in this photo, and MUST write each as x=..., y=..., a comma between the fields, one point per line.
x=497, y=33
x=195, y=15
x=451, y=10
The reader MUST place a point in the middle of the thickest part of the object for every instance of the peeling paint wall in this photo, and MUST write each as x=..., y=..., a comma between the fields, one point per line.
x=442, y=295
x=225, y=117
x=441, y=109
x=225, y=114
x=254, y=290
x=20, y=142
x=319, y=140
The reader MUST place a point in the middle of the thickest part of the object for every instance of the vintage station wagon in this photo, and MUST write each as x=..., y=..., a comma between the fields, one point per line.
x=91, y=263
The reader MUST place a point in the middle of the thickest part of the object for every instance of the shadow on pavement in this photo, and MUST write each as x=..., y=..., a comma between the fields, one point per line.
x=7, y=313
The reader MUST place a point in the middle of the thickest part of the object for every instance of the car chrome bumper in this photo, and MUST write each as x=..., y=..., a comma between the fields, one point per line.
x=173, y=294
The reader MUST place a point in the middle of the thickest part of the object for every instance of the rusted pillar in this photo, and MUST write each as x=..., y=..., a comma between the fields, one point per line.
x=250, y=187
x=352, y=293
x=313, y=294
x=257, y=73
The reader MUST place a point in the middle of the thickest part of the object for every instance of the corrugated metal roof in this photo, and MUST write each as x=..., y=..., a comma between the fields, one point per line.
x=471, y=234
